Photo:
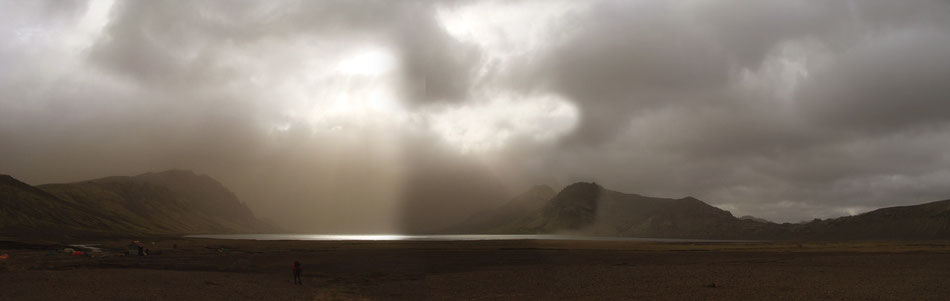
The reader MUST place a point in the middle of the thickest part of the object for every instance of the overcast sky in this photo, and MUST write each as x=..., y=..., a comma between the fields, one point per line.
x=382, y=116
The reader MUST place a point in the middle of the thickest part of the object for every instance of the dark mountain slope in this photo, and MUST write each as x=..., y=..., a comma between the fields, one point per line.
x=211, y=207
x=173, y=202
x=201, y=191
x=24, y=208
x=752, y=218
x=587, y=208
x=924, y=221
x=524, y=204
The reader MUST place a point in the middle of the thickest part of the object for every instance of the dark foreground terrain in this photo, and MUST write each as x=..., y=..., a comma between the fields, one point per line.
x=201, y=269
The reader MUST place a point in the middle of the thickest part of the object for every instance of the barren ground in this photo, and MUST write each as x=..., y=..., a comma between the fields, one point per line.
x=203, y=269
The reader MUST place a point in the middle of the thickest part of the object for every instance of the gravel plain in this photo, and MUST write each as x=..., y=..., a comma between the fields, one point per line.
x=204, y=269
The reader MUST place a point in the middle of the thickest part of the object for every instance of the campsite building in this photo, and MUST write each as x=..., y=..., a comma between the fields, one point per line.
x=136, y=248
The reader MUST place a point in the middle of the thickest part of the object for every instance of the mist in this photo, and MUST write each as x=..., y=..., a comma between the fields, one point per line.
x=408, y=116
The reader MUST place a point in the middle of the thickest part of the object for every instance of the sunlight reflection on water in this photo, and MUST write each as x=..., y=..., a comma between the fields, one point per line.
x=453, y=237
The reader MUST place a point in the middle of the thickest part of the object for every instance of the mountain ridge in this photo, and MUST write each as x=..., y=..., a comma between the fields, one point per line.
x=173, y=202
x=589, y=209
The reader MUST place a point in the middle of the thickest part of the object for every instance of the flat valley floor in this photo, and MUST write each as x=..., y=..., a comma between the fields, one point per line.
x=205, y=269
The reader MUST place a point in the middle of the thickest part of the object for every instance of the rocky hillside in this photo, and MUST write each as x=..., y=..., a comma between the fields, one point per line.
x=924, y=221
x=171, y=202
x=518, y=207
x=24, y=208
x=587, y=208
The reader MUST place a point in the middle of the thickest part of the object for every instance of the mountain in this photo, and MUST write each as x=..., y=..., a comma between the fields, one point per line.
x=24, y=208
x=924, y=221
x=170, y=202
x=752, y=218
x=589, y=209
x=519, y=206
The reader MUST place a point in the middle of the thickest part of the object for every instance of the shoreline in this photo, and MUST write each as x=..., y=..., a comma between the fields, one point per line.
x=453, y=237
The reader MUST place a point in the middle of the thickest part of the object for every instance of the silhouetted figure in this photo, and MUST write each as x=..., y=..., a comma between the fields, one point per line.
x=297, y=270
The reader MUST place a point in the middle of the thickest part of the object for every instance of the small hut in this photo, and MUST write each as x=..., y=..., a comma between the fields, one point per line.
x=136, y=248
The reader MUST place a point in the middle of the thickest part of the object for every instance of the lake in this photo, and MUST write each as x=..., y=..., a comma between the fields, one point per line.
x=450, y=237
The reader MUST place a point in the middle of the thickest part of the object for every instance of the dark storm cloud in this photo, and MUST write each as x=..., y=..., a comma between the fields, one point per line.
x=785, y=109
x=174, y=42
x=631, y=56
x=887, y=84
x=662, y=91
x=437, y=67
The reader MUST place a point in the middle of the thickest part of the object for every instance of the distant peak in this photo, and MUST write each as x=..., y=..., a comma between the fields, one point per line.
x=173, y=173
x=541, y=187
x=753, y=218
x=8, y=179
x=583, y=185
x=582, y=188
x=178, y=172
x=11, y=181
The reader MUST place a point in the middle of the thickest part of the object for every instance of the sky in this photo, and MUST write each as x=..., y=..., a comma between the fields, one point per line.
x=405, y=116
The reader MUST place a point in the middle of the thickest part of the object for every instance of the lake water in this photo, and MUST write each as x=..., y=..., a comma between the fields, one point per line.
x=453, y=237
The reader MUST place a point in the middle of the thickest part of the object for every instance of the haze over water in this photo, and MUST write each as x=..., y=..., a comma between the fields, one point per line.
x=450, y=237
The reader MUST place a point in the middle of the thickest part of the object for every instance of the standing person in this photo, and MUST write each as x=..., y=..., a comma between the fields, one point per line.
x=297, y=270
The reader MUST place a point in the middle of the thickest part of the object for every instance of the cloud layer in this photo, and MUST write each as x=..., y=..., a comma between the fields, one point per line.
x=381, y=116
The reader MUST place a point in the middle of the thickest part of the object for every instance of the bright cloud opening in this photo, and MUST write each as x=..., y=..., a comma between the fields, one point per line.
x=492, y=124
x=371, y=62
